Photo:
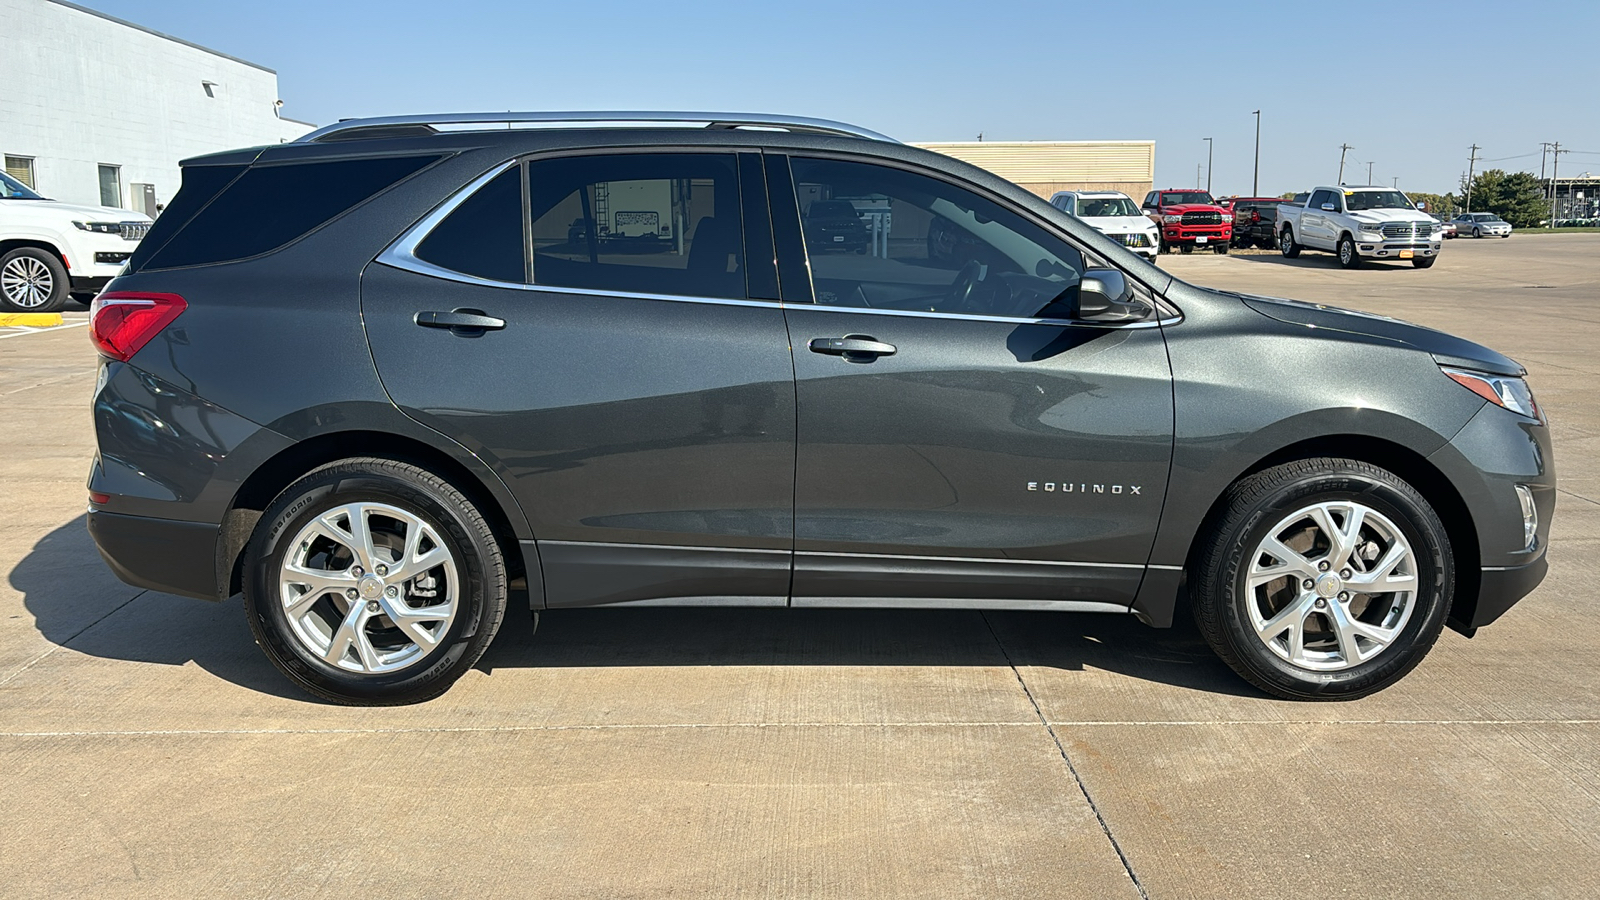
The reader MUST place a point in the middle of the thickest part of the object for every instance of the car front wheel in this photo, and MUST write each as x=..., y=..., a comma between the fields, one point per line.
x=1348, y=257
x=373, y=582
x=32, y=281
x=1324, y=579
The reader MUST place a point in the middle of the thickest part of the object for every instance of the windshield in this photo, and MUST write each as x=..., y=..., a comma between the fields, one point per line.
x=1102, y=207
x=12, y=189
x=1172, y=198
x=1355, y=201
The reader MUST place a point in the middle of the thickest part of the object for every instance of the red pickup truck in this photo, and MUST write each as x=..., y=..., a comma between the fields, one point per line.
x=1189, y=219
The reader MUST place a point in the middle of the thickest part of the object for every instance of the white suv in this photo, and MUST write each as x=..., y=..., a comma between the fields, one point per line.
x=49, y=250
x=1115, y=215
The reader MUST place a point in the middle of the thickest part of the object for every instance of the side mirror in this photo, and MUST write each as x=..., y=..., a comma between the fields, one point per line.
x=1423, y=206
x=1329, y=207
x=1104, y=295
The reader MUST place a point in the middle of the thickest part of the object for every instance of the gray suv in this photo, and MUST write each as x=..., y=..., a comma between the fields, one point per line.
x=378, y=381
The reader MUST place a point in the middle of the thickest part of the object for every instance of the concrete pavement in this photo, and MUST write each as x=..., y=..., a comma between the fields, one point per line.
x=148, y=750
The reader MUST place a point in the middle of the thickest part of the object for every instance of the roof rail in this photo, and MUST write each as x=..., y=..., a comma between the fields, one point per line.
x=390, y=126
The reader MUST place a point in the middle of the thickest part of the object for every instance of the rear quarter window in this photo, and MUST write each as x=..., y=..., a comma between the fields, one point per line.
x=269, y=206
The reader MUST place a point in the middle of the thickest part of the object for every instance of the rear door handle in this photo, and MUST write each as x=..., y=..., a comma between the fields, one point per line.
x=463, y=322
x=853, y=347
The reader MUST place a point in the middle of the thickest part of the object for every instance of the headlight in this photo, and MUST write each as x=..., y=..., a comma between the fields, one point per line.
x=1172, y=220
x=1502, y=390
x=1374, y=227
x=100, y=227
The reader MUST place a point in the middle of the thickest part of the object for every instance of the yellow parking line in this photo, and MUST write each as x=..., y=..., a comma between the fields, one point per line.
x=31, y=320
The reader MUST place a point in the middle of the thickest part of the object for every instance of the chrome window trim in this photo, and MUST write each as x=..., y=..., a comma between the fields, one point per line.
x=402, y=254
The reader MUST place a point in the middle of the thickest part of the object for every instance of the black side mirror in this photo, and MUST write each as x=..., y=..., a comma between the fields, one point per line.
x=1104, y=295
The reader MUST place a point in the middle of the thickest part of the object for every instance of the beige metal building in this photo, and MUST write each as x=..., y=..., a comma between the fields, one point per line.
x=1045, y=167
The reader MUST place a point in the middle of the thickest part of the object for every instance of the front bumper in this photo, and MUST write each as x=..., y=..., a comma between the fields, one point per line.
x=1499, y=588
x=1190, y=234
x=1394, y=249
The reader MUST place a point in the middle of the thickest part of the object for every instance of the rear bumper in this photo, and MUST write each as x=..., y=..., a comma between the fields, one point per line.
x=158, y=554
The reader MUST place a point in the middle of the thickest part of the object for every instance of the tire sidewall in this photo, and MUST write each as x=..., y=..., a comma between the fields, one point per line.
x=313, y=496
x=1416, y=521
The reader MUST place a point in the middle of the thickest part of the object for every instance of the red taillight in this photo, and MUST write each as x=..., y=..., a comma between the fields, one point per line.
x=122, y=322
x=99, y=499
x=1255, y=215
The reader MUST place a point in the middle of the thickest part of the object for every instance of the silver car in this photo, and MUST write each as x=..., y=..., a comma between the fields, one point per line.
x=1482, y=225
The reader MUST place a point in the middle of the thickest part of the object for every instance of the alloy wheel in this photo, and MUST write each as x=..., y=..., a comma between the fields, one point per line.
x=369, y=587
x=1331, y=586
x=27, y=282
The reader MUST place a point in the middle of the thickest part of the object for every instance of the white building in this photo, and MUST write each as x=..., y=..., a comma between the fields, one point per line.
x=97, y=110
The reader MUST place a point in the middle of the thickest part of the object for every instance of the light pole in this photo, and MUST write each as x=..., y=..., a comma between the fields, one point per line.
x=1343, y=149
x=1255, y=184
x=1369, y=173
x=1209, y=146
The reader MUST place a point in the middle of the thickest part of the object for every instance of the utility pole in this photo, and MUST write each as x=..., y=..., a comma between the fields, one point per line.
x=1197, y=176
x=1209, y=145
x=1396, y=182
x=1255, y=185
x=1555, y=167
x=1369, y=173
x=1471, y=162
x=1343, y=149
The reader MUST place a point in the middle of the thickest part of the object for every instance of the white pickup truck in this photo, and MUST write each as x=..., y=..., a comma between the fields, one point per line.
x=1359, y=223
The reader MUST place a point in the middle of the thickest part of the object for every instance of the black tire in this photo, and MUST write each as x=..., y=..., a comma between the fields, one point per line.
x=1346, y=250
x=1253, y=507
x=480, y=566
x=1286, y=244
x=1186, y=248
x=1220, y=249
x=34, y=265
x=1424, y=262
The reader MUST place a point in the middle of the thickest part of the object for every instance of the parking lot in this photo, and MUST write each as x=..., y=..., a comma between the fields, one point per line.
x=150, y=750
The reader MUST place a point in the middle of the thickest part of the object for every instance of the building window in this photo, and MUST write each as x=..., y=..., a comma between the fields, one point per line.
x=21, y=168
x=111, y=186
x=210, y=87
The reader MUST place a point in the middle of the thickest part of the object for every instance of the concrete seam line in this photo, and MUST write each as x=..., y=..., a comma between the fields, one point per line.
x=1577, y=496
x=670, y=726
x=1105, y=827
x=69, y=639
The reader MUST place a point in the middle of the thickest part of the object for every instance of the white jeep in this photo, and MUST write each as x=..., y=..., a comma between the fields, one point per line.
x=50, y=250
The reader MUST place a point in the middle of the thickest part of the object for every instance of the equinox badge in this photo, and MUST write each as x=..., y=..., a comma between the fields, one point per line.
x=1080, y=488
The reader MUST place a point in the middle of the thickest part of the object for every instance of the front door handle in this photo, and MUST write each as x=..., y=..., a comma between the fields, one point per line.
x=462, y=322
x=853, y=347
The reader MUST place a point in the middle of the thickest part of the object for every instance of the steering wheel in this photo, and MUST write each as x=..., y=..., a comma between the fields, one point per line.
x=961, y=288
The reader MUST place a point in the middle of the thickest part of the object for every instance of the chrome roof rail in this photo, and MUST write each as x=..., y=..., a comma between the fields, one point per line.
x=348, y=128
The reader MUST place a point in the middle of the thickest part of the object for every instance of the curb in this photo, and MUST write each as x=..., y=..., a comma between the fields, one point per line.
x=33, y=320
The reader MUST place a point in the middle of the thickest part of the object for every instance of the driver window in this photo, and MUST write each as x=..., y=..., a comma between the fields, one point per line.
x=885, y=238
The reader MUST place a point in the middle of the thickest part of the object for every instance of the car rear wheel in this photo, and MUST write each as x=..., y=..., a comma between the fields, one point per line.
x=373, y=582
x=31, y=281
x=1323, y=579
x=1286, y=244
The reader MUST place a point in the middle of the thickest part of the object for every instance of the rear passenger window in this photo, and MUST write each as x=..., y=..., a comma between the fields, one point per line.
x=655, y=223
x=482, y=236
x=200, y=184
x=269, y=206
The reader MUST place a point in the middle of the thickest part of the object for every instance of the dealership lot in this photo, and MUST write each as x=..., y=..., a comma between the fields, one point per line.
x=150, y=750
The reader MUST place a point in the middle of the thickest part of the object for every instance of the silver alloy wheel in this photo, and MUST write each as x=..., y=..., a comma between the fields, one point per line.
x=1285, y=242
x=1331, y=586
x=27, y=282
x=369, y=587
x=1346, y=251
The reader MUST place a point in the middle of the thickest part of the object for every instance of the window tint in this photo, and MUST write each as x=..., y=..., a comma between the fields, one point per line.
x=918, y=243
x=200, y=184
x=483, y=236
x=658, y=223
x=1320, y=197
x=269, y=206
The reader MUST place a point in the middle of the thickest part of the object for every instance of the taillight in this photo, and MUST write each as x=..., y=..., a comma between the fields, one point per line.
x=1255, y=215
x=122, y=322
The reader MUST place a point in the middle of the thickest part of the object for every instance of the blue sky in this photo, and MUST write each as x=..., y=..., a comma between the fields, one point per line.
x=1383, y=77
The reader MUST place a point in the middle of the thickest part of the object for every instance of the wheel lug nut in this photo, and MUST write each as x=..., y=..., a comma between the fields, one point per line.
x=1321, y=603
x=372, y=606
x=391, y=592
x=381, y=570
x=351, y=593
x=1309, y=584
x=1343, y=573
x=1323, y=566
x=357, y=571
x=1344, y=595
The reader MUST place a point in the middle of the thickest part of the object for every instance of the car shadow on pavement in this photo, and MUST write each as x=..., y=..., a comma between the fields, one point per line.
x=1323, y=261
x=63, y=568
